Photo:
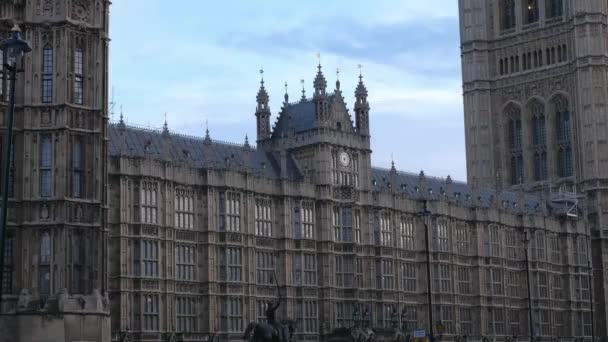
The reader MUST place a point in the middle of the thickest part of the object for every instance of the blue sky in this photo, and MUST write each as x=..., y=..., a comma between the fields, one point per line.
x=199, y=61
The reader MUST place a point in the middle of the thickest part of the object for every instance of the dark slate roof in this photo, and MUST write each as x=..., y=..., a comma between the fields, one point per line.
x=297, y=117
x=195, y=152
x=419, y=187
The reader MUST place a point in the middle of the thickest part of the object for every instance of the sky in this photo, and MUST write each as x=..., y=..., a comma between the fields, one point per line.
x=199, y=61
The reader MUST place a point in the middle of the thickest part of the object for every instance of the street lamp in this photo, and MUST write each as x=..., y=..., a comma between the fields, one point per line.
x=526, y=241
x=425, y=214
x=12, y=49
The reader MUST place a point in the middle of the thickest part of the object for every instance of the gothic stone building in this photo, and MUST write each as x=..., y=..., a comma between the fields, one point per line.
x=181, y=235
x=201, y=230
x=535, y=99
x=55, y=286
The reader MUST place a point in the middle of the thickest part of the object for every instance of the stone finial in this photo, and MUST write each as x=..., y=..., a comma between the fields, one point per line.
x=246, y=146
x=303, y=91
x=165, y=127
x=207, y=139
x=421, y=175
x=286, y=97
x=320, y=83
x=448, y=180
x=337, y=80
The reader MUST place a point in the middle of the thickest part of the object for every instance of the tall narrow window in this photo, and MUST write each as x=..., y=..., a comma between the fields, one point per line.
x=184, y=262
x=408, y=277
x=46, y=158
x=264, y=267
x=555, y=8
x=148, y=202
x=343, y=224
x=441, y=236
x=308, y=220
x=539, y=141
x=563, y=133
x=78, y=76
x=77, y=256
x=184, y=209
x=530, y=11
x=44, y=264
x=345, y=270
x=310, y=269
x=407, y=233
x=386, y=229
x=507, y=14
x=149, y=258
x=7, y=279
x=230, y=211
x=516, y=158
x=185, y=312
x=47, y=75
x=263, y=217
x=151, y=312
x=77, y=167
x=231, y=263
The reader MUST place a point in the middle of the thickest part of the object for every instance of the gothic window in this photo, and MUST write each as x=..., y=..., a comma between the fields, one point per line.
x=493, y=242
x=442, y=278
x=463, y=280
x=264, y=267
x=554, y=8
x=230, y=211
x=308, y=220
x=516, y=158
x=47, y=75
x=359, y=273
x=46, y=161
x=149, y=258
x=231, y=263
x=512, y=284
x=496, y=321
x=539, y=141
x=77, y=167
x=260, y=310
x=507, y=14
x=563, y=133
x=77, y=255
x=511, y=244
x=541, y=281
x=78, y=76
x=135, y=312
x=580, y=257
x=232, y=314
x=345, y=271
x=185, y=312
x=7, y=278
x=441, y=236
x=446, y=315
x=184, y=208
x=184, y=262
x=385, y=275
x=44, y=264
x=386, y=229
x=151, y=312
x=408, y=277
x=555, y=248
x=557, y=287
x=463, y=239
x=263, y=217
x=406, y=229
x=307, y=316
x=343, y=224
x=530, y=11
x=539, y=246
x=148, y=202
x=466, y=321
x=494, y=282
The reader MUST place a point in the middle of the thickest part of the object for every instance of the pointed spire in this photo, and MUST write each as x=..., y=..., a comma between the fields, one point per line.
x=121, y=122
x=448, y=180
x=207, y=139
x=303, y=91
x=421, y=175
x=337, y=80
x=393, y=168
x=286, y=94
x=246, y=146
x=320, y=83
x=165, y=126
x=361, y=91
x=262, y=97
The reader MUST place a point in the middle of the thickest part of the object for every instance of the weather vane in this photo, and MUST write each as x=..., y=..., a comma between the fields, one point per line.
x=319, y=57
x=337, y=73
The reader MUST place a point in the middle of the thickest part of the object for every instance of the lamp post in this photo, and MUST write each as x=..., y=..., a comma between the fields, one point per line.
x=425, y=214
x=12, y=48
x=526, y=241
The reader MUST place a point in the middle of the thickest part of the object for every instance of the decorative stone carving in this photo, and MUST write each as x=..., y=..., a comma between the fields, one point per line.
x=80, y=10
x=44, y=212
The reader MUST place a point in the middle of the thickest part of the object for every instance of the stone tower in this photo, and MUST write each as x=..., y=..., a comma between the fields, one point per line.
x=535, y=105
x=56, y=275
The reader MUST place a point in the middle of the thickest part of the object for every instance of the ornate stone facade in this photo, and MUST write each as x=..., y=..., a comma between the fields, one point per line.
x=55, y=284
x=200, y=231
x=535, y=107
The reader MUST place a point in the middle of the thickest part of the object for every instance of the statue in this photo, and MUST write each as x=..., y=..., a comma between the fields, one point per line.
x=273, y=330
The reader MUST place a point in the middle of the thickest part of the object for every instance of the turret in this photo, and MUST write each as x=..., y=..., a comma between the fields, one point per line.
x=320, y=97
x=262, y=113
x=361, y=108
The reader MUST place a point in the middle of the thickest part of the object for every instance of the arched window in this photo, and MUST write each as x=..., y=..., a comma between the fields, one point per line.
x=516, y=158
x=554, y=8
x=530, y=11
x=539, y=141
x=78, y=77
x=507, y=14
x=563, y=135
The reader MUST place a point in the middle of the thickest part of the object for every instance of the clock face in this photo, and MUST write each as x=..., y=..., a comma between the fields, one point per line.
x=344, y=159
